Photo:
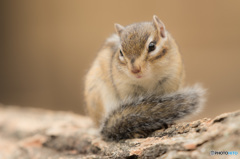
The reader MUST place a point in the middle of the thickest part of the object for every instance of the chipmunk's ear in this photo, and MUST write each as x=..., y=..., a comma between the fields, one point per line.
x=158, y=24
x=118, y=28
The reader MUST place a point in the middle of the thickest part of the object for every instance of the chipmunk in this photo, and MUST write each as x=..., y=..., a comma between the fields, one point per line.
x=134, y=86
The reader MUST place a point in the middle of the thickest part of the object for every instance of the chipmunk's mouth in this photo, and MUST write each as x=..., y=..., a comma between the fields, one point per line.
x=138, y=76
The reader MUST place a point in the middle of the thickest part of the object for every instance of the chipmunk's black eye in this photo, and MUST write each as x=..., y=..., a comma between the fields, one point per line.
x=121, y=53
x=151, y=46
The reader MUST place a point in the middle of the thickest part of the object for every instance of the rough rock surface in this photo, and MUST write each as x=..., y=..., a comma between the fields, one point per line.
x=27, y=133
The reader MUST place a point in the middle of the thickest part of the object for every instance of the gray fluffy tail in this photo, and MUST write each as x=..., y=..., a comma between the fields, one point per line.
x=142, y=117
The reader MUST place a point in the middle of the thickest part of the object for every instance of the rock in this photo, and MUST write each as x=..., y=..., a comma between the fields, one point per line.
x=40, y=134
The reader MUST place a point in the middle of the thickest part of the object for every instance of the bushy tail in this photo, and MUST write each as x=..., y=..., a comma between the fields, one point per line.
x=140, y=118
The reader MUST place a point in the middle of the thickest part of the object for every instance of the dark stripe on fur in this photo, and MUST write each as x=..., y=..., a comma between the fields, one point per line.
x=111, y=75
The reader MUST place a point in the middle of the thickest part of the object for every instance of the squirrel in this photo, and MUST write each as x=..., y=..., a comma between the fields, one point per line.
x=135, y=85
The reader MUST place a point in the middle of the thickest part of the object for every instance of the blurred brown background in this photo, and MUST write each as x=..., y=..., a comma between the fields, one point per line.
x=48, y=46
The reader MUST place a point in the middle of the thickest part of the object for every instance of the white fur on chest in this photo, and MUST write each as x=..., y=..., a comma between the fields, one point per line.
x=130, y=89
x=110, y=101
x=125, y=93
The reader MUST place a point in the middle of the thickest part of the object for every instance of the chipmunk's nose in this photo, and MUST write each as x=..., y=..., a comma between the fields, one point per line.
x=136, y=70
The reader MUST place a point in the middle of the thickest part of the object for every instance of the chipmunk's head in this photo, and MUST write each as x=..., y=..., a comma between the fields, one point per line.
x=142, y=47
